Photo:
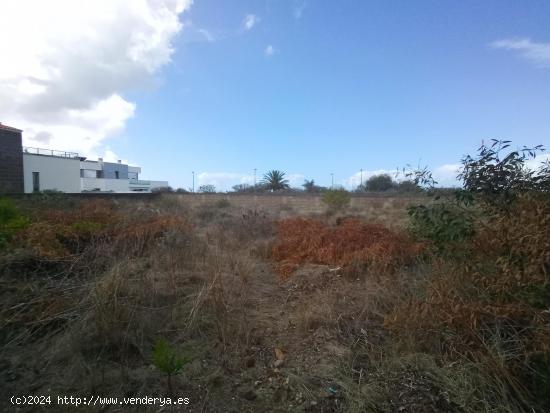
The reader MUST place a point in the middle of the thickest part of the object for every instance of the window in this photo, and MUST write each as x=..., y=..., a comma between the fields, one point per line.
x=88, y=173
x=117, y=175
x=99, y=174
x=36, y=181
x=132, y=175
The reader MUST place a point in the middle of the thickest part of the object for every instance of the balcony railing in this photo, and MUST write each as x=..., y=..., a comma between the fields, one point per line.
x=50, y=152
x=139, y=182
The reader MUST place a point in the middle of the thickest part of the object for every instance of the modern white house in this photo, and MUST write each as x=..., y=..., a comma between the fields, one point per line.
x=47, y=169
x=69, y=172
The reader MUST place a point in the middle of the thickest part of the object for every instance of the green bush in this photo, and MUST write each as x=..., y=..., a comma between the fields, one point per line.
x=167, y=360
x=163, y=190
x=443, y=224
x=207, y=189
x=48, y=199
x=87, y=228
x=408, y=186
x=336, y=199
x=382, y=182
x=222, y=203
x=11, y=221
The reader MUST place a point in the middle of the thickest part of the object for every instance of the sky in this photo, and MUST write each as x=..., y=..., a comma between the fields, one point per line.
x=309, y=87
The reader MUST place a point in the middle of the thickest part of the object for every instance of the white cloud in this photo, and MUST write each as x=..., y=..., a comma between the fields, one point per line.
x=298, y=10
x=295, y=180
x=109, y=156
x=70, y=63
x=250, y=20
x=207, y=35
x=354, y=181
x=539, y=53
x=224, y=181
x=269, y=51
x=191, y=33
x=535, y=163
x=445, y=175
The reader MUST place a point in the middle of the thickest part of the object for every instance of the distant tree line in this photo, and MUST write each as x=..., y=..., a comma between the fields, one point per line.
x=275, y=181
x=384, y=183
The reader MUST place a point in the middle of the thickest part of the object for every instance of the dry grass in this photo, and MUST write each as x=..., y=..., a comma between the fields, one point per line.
x=352, y=242
x=87, y=289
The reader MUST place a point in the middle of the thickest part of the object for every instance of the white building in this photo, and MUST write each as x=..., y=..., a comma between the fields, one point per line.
x=46, y=169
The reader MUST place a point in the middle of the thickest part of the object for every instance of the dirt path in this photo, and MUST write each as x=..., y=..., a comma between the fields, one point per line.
x=292, y=356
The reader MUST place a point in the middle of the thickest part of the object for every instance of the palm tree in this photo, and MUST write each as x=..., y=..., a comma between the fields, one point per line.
x=274, y=180
x=309, y=186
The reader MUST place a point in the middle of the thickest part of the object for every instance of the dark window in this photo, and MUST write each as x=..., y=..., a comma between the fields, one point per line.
x=88, y=173
x=36, y=181
x=99, y=174
x=116, y=175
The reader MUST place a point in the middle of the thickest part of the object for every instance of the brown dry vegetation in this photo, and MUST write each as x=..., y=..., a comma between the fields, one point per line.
x=363, y=318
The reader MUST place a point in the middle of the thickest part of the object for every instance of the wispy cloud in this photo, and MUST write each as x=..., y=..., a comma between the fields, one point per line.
x=250, y=20
x=538, y=53
x=207, y=35
x=192, y=33
x=269, y=51
x=298, y=9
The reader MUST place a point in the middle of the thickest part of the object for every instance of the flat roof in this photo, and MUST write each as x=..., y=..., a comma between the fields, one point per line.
x=27, y=150
x=9, y=128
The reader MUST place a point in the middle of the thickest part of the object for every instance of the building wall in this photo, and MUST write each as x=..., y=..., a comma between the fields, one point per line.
x=119, y=185
x=56, y=173
x=11, y=161
x=148, y=186
x=105, y=185
x=91, y=165
x=158, y=184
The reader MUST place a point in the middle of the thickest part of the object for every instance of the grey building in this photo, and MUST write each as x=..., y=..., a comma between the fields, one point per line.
x=11, y=160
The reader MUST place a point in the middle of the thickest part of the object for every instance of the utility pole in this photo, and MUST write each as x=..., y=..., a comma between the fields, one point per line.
x=254, y=178
x=361, y=187
x=193, y=181
x=332, y=180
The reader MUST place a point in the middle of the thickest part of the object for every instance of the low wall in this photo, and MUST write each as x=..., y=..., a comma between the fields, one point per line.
x=302, y=203
x=388, y=209
x=143, y=196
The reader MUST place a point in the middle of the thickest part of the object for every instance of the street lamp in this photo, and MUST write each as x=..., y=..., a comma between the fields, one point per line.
x=193, y=181
x=332, y=180
x=361, y=186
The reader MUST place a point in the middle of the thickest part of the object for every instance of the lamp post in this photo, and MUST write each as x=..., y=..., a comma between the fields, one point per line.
x=193, y=181
x=254, y=178
x=332, y=180
x=361, y=186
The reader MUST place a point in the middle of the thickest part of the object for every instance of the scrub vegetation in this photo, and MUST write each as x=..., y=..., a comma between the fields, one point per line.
x=255, y=310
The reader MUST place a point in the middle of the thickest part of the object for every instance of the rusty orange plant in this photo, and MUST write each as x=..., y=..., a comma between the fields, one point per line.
x=350, y=242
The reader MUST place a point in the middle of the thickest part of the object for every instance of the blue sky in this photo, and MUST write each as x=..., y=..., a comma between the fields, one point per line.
x=320, y=87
